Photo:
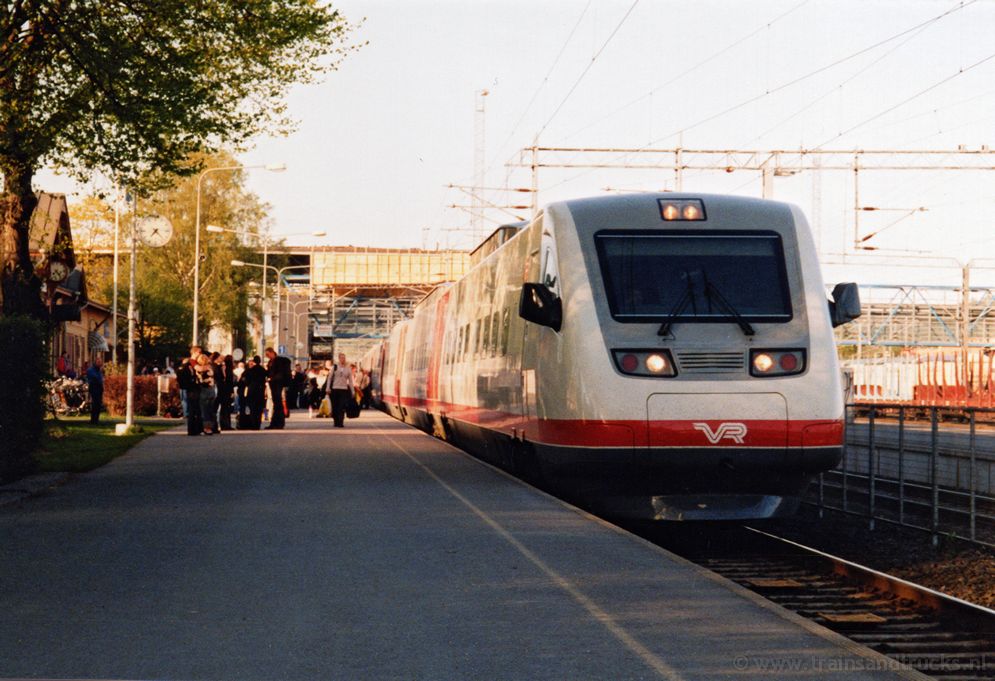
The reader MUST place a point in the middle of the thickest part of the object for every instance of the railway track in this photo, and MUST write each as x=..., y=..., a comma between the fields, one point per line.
x=940, y=636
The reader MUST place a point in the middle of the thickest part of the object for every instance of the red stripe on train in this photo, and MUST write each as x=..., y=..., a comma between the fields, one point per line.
x=643, y=433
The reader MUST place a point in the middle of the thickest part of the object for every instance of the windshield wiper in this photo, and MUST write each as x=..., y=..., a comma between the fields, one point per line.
x=714, y=294
x=697, y=280
x=692, y=278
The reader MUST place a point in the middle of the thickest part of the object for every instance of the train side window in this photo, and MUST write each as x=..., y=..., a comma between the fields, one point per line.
x=466, y=339
x=495, y=332
x=505, y=330
x=486, y=340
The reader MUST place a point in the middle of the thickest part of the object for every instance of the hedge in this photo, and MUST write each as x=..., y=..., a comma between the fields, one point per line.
x=146, y=387
x=24, y=349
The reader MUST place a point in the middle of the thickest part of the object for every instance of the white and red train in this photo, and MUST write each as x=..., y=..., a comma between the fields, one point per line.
x=660, y=356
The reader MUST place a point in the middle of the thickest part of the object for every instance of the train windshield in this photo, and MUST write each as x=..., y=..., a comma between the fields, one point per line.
x=687, y=276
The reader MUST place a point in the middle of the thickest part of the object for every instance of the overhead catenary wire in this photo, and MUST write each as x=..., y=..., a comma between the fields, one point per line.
x=841, y=85
x=544, y=81
x=690, y=70
x=587, y=69
x=815, y=72
x=936, y=109
x=785, y=85
x=905, y=101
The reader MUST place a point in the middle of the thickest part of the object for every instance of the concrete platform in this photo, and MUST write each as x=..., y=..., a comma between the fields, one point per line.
x=370, y=552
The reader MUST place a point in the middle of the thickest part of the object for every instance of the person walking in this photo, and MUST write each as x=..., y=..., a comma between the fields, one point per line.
x=95, y=384
x=278, y=371
x=340, y=389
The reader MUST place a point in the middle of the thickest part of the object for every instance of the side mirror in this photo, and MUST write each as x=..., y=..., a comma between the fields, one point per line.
x=540, y=306
x=845, y=305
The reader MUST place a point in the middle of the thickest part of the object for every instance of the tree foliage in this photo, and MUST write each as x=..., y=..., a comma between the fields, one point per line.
x=165, y=290
x=134, y=88
x=92, y=221
x=165, y=275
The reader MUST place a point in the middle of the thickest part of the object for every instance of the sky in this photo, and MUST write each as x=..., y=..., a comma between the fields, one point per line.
x=379, y=141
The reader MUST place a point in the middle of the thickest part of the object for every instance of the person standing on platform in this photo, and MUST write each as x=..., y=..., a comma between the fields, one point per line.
x=224, y=368
x=95, y=384
x=364, y=388
x=186, y=377
x=278, y=372
x=206, y=377
x=340, y=389
x=252, y=390
x=298, y=385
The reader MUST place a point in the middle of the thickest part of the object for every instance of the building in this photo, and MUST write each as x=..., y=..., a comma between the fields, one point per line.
x=81, y=327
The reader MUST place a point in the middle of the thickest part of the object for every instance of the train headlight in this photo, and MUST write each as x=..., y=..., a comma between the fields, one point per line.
x=776, y=362
x=762, y=363
x=656, y=363
x=692, y=210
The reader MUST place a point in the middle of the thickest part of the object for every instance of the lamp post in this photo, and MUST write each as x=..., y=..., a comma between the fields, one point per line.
x=279, y=275
x=272, y=167
x=265, y=239
x=296, y=325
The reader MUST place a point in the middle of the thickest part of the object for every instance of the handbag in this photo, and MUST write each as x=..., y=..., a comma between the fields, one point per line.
x=325, y=410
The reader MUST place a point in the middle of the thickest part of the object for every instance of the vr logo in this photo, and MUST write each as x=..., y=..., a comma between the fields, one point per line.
x=733, y=431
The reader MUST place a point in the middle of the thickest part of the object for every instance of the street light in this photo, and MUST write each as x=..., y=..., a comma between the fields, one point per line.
x=279, y=276
x=272, y=167
x=265, y=239
x=295, y=321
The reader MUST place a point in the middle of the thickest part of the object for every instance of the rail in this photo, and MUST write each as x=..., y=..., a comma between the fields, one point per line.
x=918, y=628
x=894, y=470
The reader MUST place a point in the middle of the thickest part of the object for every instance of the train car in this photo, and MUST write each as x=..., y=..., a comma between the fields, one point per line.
x=372, y=361
x=657, y=356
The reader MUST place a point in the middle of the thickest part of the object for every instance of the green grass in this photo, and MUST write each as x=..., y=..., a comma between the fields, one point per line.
x=74, y=445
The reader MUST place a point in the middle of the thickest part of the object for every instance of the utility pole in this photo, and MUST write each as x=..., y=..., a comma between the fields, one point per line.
x=129, y=415
x=535, y=176
x=117, y=230
x=965, y=315
x=479, y=152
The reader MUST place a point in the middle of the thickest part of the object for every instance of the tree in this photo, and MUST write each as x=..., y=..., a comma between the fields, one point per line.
x=133, y=88
x=165, y=275
x=92, y=221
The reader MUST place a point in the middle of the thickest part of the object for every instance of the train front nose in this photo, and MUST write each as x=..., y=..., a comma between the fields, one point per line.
x=726, y=426
x=715, y=455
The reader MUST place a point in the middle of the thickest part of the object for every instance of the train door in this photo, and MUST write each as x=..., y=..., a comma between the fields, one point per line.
x=399, y=372
x=541, y=267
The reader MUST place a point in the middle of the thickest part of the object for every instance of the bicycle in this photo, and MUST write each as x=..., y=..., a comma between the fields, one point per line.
x=67, y=397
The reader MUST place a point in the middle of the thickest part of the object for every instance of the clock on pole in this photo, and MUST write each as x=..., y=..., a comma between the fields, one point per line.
x=154, y=230
x=57, y=270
